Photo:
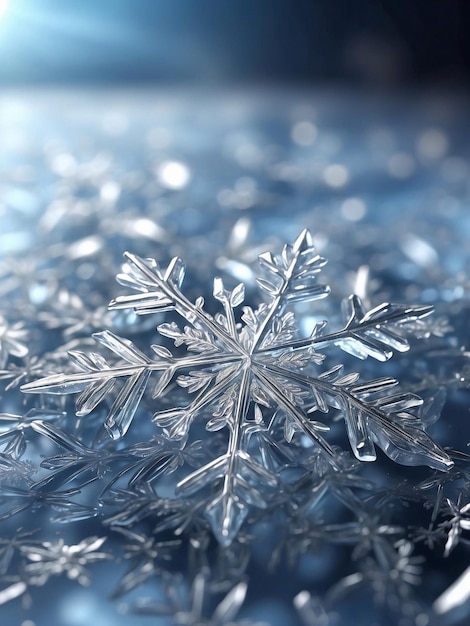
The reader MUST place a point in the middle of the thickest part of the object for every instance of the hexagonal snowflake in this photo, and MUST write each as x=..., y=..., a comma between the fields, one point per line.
x=246, y=375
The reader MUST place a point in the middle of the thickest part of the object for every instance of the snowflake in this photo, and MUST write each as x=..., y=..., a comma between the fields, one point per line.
x=41, y=560
x=11, y=340
x=52, y=558
x=391, y=574
x=187, y=609
x=144, y=552
x=246, y=374
x=460, y=521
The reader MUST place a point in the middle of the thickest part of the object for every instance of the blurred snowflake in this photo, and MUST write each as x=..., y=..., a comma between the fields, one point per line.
x=12, y=338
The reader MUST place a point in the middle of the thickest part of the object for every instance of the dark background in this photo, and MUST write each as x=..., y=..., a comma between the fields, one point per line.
x=362, y=42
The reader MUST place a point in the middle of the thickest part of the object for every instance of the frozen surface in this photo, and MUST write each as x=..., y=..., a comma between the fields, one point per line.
x=382, y=184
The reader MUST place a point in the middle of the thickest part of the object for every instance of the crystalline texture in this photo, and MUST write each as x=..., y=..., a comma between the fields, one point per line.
x=240, y=373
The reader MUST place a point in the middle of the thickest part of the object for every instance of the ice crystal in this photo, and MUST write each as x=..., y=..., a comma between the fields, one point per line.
x=246, y=375
x=188, y=609
x=145, y=553
x=13, y=429
x=390, y=572
x=54, y=558
x=12, y=339
x=460, y=521
x=41, y=560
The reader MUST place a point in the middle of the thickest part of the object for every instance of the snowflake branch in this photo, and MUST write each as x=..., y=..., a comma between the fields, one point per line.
x=361, y=440
x=228, y=509
x=365, y=333
x=283, y=278
x=61, y=384
x=300, y=418
x=177, y=421
x=172, y=299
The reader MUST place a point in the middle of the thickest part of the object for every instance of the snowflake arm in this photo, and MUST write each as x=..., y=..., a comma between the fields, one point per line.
x=162, y=293
x=98, y=378
x=13, y=428
x=376, y=333
x=384, y=421
x=228, y=509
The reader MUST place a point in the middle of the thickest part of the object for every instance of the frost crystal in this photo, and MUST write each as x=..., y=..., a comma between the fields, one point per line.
x=11, y=340
x=247, y=376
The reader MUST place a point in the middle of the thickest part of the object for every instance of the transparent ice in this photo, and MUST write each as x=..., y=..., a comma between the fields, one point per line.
x=246, y=376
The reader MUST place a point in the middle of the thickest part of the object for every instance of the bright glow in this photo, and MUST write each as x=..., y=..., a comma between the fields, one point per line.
x=401, y=165
x=64, y=164
x=455, y=595
x=173, y=175
x=3, y=7
x=361, y=282
x=336, y=175
x=85, y=247
x=419, y=251
x=433, y=144
x=353, y=209
x=143, y=227
x=110, y=191
x=304, y=133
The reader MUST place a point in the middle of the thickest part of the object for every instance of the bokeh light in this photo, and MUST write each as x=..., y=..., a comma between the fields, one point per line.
x=3, y=7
